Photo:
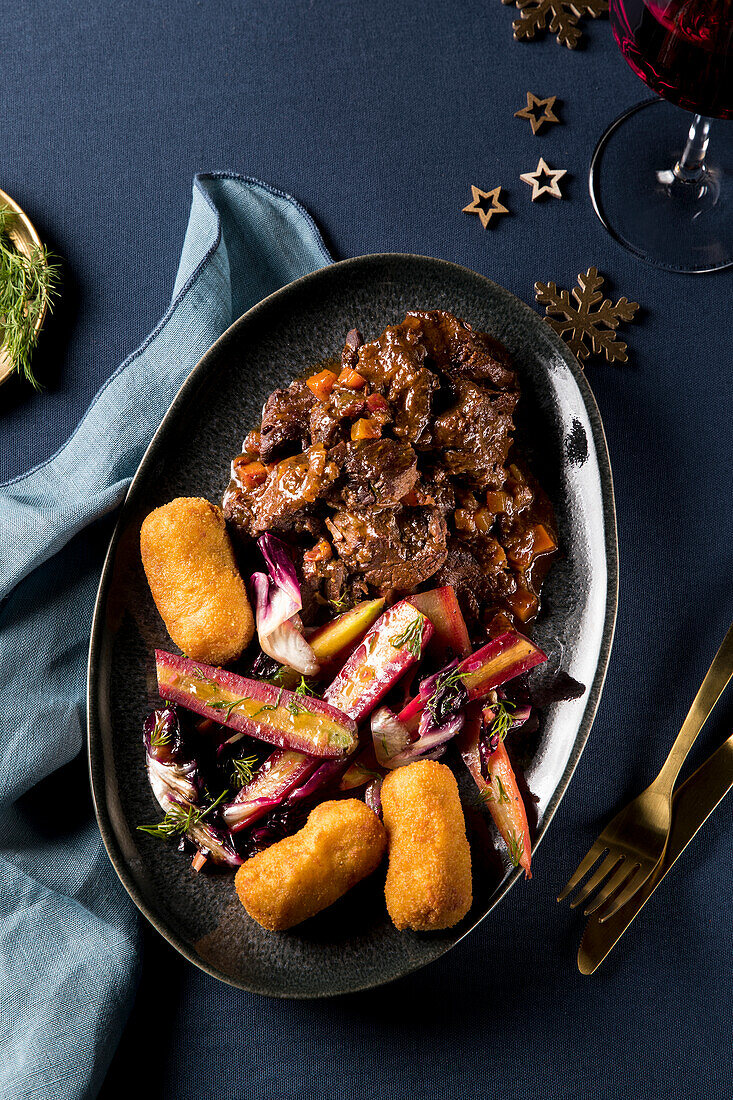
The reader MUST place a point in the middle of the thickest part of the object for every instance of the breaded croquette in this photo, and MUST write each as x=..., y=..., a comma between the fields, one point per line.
x=341, y=843
x=189, y=562
x=429, y=876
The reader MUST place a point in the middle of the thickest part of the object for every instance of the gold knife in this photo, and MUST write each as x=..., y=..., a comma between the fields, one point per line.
x=692, y=805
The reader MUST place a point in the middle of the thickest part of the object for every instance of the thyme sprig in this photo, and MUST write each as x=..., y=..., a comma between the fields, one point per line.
x=28, y=286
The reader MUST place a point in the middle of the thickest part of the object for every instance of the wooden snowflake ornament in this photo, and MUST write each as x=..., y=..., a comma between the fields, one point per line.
x=560, y=16
x=582, y=322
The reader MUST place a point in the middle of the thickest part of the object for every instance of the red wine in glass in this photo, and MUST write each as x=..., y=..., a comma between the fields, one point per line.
x=683, y=49
x=659, y=195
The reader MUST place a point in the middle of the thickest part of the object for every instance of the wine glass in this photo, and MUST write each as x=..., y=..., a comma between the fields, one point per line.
x=668, y=200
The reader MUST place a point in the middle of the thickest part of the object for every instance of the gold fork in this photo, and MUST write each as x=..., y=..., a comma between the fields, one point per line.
x=636, y=838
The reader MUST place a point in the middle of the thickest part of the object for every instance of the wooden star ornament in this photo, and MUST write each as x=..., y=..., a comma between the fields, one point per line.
x=583, y=319
x=544, y=180
x=478, y=204
x=534, y=103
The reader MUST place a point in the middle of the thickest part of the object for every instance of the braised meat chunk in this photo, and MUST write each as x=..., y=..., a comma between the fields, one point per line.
x=394, y=550
x=475, y=434
x=396, y=469
x=285, y=421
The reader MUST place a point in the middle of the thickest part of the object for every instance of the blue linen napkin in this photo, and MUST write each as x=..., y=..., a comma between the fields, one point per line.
x=69, y=944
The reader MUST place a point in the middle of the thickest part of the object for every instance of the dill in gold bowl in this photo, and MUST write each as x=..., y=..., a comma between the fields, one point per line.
x=29, y=283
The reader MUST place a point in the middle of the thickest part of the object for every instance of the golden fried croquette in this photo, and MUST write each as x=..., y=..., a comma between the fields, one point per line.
x=341, y=843
x=189, y=562
x=429, y=876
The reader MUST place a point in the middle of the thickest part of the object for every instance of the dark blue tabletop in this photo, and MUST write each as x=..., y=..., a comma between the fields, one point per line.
x=379, y=116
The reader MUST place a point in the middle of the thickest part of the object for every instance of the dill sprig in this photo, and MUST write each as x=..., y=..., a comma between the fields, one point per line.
x=269, y=706
x=227, y=706
x=161, y=735
x=244, y=768
x=179, y=820
x=411, y=636
x=503, y=718
x=28, y=286
x=515, y=844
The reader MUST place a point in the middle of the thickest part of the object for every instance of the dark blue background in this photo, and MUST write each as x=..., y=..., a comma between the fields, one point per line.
x=379, y=116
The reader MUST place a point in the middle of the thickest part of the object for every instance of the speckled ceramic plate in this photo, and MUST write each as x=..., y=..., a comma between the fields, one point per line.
x=353, y=945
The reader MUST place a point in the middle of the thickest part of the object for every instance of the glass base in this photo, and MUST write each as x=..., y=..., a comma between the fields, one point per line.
x=679, y=225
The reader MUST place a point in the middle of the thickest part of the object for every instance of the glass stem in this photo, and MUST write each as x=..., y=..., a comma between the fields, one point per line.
x=690, y=168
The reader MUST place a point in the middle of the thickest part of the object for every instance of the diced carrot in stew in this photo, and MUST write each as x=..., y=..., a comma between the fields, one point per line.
x=351, y=379
x=320, y=552
x=321, y=384
x=377, y=403
x=543, y=540
x=523, y=603
x=252, y=443
x=496, y=501
x=365, y=429
x=483, y=520
x=464, y=521
x=251, y=474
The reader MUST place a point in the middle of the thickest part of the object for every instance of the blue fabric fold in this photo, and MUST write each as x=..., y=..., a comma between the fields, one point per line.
x=69, y=944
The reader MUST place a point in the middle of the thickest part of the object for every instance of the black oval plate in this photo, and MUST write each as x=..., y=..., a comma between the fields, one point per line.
x=353, y=945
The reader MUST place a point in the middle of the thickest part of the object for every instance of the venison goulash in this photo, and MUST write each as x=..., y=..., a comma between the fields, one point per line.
x=399, y=471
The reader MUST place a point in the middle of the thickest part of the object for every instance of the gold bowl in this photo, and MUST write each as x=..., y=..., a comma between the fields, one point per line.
x=25, y=238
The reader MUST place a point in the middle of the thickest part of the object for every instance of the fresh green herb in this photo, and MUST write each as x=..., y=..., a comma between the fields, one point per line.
x=503, y=718
x=295, y=708
x=490, y=793
x=304, y=687
x=161, y=734
x=341, y=603
x=278, y=677
x=411, y=636
x=227, y=706
x=503, y=796
x=197, y=674
x=447, y=697
x=28, y=286
x=515, y=844
x=180, y=820
x=269, y=706
x=244, y=768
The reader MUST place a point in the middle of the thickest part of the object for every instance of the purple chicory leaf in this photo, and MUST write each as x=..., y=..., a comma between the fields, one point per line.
x=279, y=628
x=429, y=684
x=281, y=568
x=273, y=605
x=176, y=782
x=430, y=745
x=324, y=775
x=389, y=736
x=427, y=727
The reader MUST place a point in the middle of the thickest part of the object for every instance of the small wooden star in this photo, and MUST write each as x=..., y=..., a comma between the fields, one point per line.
x=476, y=206
x=533, y=105
x=551, y=177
